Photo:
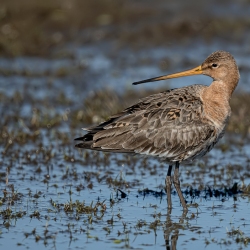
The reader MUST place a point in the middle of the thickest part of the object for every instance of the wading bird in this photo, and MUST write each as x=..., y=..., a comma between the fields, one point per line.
x=176, y=125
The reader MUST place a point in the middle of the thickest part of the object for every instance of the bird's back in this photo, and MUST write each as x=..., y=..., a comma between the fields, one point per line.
x=170, y=124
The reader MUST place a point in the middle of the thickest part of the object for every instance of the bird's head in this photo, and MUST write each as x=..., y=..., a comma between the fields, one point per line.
x=218, y=65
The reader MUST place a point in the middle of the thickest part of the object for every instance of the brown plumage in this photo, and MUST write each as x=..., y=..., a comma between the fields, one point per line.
x=176, y=125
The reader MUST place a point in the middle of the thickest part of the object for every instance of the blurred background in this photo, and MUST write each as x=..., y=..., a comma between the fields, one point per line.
x=38, y=28
x=67, y=50
x=70, y=48
x=68, y=64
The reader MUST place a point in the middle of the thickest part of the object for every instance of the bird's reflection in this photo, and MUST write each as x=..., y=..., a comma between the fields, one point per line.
x=171, y=229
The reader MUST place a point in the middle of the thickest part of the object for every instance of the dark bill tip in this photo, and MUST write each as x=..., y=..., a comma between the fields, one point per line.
x=147, y=80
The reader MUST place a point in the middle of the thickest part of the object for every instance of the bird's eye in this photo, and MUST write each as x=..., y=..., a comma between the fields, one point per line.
x=214, y=65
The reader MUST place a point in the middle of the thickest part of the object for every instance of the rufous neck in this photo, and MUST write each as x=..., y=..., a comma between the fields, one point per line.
x=216, y=102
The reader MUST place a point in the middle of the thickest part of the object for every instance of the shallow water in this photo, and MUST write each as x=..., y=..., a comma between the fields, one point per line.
x=140, y=220
x=57, y=197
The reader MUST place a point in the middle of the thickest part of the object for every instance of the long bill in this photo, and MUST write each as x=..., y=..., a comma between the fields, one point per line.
x=194, y=71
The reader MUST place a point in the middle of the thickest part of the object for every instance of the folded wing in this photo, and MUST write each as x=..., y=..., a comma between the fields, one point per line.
x=168, y=124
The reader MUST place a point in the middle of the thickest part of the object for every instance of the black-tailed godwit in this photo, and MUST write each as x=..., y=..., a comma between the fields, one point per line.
x=176, y=125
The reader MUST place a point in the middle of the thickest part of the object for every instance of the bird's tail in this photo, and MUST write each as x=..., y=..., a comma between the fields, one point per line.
x=86, y=141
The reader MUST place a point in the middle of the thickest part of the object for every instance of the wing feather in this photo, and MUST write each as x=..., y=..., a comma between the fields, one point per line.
x=170, y=124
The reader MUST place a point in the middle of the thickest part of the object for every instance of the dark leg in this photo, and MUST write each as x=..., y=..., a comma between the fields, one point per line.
x=168, y=184
x=177, y=186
